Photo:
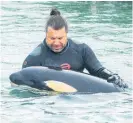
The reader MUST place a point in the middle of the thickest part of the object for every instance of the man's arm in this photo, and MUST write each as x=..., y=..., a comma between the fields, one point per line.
x=91, y=63
x=95, y=68
x=34, y=58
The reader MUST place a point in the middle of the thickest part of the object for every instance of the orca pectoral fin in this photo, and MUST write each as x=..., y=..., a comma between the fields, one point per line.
x=59, y=86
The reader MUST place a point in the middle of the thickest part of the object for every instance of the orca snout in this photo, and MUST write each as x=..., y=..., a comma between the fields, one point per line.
x=12, y=77
x=19, y=79
x=15, y=77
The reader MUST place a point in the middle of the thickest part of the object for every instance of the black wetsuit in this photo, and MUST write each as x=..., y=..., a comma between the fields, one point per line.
x=79, y=56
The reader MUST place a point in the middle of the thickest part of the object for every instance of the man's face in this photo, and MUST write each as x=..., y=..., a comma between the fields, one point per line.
x=56, y=39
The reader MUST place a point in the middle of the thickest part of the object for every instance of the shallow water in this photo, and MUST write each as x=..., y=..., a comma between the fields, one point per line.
x=105, y=26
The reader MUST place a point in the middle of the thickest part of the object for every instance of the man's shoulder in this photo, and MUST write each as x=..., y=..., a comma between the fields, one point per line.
x=77, y=44
x=37, y=51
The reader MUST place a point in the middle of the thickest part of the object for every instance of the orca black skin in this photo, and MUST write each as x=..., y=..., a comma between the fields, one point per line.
x=36, y=76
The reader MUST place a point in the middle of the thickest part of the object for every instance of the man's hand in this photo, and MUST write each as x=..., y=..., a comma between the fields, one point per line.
x=117, y=80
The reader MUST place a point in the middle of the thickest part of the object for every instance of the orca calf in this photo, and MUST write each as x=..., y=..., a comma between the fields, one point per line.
x=50, y=79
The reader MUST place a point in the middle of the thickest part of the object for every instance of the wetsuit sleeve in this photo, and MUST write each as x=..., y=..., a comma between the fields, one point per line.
x=33, y=59
x=91, y=63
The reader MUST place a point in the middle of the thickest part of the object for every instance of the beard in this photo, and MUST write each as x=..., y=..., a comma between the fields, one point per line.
x=57, y=49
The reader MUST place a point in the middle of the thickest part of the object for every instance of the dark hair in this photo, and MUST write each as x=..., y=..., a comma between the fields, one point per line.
x=54, y=11
x=56, y=21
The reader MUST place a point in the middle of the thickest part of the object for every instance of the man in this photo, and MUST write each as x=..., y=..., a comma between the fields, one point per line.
x=58, y=51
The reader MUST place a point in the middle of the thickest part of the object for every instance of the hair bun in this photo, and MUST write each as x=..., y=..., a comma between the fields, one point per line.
x=55, y=12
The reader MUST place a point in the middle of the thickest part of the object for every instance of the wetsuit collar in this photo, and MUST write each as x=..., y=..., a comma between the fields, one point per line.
x=66, y=47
